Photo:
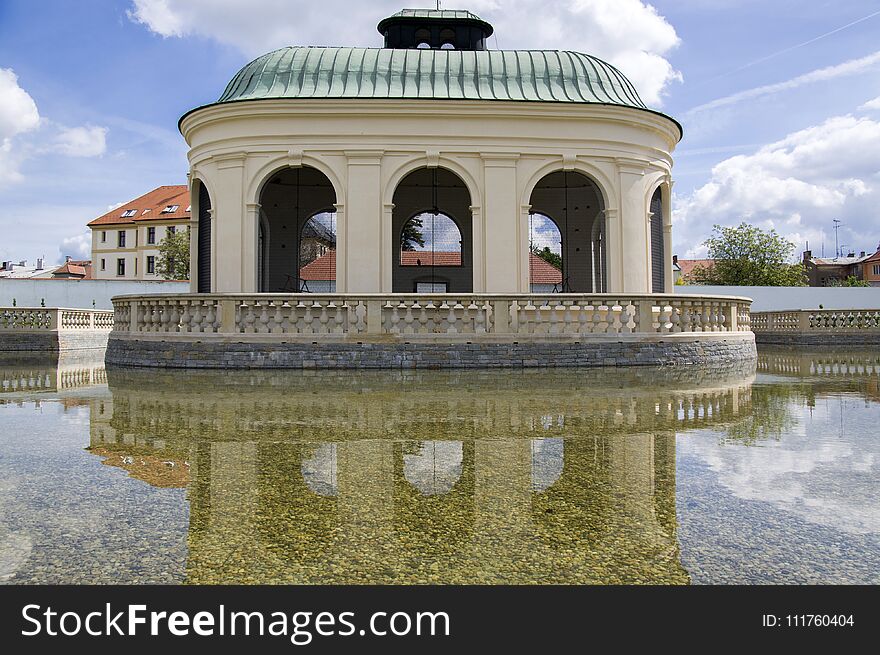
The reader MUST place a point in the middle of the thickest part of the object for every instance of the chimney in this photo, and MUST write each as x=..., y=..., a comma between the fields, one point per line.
x=808, y=256
x=852, y=254
x=862, y=254
x=674, y=260
x=39, y=263
x=66, y=258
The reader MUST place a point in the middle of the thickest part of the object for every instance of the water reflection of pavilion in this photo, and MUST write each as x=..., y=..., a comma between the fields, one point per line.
x=20, y=373
x=524, y=476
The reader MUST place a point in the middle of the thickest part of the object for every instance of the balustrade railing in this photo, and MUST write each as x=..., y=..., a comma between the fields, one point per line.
x=818, y=321
x=26, y=319
x=340, y=316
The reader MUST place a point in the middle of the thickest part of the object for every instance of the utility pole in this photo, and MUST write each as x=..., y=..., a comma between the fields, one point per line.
x=836, y=222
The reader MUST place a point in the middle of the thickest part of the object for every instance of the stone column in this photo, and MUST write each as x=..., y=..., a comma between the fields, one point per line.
x=635, y=242
x=524, y=281
x=250, y=261
x=193, y=238
x=341, y=247
x=229, y=223
x=501, y=241
x=389, y=248
x=613, y=257
x=361, y=244
x=667, y=237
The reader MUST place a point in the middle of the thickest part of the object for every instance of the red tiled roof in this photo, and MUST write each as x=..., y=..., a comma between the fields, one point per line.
x=324, y=267
x=543, y=272
x=80, y=268
x=687, y=266
x=154, y=201
x=321, y=268
x=873, y=258
x=428, y=258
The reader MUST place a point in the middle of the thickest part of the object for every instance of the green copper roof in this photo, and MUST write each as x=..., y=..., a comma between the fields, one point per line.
x=524, y=75
x=452, y=14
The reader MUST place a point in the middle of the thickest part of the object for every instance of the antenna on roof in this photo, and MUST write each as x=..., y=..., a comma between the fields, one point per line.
x=836, y=222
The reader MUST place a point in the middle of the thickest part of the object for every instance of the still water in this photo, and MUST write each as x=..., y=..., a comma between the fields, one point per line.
x=673, y=476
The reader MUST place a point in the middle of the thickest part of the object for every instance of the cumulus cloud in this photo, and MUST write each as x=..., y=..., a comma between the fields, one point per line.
x=630, y=34
x=796, y=185
x=77, y=247
x=18, y=114
x=871, y=105
x=87, y=141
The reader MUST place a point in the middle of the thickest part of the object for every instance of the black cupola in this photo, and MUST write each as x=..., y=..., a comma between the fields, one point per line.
x=436, y=29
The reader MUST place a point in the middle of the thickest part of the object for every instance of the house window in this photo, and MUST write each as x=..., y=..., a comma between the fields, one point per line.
x=128, y=213
x=103, y=264
x=151, y=264
x=121, y=239
x=170, y=209
x=120, y=267
x=151, y=235
x=171, y=229
x=876, y=269
x=103, y=236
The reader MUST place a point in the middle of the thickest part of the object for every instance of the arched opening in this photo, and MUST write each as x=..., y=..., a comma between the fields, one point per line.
x=433, y=227
x=545, y=255
x=297, y=232
x=658, y=249
x=203, y=284
x=573, y=204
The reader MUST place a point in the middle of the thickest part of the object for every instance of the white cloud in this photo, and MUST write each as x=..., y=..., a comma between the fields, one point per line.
x=796, y=185
x=627, y=33
x=18, y=114
x=78, y=247
x=87, y=141
x=871, y=105
x=851, y=67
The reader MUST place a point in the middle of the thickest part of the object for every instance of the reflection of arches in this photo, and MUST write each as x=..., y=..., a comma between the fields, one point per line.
x=440, y=200
x=204, y=239
x=436, y=468
x=319, y=470
x=548, y=460
x=289, y=199
x=576, y=205
x=658, y=250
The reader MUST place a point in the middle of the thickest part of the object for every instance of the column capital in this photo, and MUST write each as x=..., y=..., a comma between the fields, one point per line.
x=475, y=209
x=253, y=207
x=364, y=157
x=230, y=160
x=500, y=159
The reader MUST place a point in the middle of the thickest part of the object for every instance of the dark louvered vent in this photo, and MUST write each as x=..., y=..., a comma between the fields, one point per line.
x=658, y=256
x=204, y=240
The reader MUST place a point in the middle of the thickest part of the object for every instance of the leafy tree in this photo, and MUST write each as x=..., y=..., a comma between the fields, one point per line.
x=412, y=235
x=851, y=281
x=749, y=256
x=548, y=256
x=173, y=260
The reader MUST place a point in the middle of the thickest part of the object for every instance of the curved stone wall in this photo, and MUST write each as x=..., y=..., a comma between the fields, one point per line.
x=706, y=349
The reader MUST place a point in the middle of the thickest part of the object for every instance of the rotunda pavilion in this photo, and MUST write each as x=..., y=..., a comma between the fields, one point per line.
x=409, y=189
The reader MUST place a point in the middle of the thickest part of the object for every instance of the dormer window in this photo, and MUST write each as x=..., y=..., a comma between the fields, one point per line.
x=128, y=213
x=170, y=209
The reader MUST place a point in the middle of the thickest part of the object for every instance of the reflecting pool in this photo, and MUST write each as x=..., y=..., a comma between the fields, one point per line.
x=670, y=476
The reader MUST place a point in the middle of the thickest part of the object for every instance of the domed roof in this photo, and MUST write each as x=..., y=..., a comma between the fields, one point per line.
x=519, y=75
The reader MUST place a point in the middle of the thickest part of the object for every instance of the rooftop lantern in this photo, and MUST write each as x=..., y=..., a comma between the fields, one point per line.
x=435, y=29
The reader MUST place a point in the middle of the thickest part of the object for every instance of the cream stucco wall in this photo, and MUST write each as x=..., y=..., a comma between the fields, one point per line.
x=500, y=151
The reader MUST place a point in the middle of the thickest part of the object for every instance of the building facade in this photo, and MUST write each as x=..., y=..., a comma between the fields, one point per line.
x=125, y=240
x=834, y=271
x=487, y=139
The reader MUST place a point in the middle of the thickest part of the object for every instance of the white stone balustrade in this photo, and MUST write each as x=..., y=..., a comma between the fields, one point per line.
x=49, y=319
x=818, y=321
x=437, y=317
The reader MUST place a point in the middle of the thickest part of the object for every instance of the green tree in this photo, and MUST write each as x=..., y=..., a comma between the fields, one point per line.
x=851, y=281
x=548, y=256
x=173, y=260
x=749, y=256
x=412, y=235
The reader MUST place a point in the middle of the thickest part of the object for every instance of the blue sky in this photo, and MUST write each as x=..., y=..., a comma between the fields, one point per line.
x=780, y=100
